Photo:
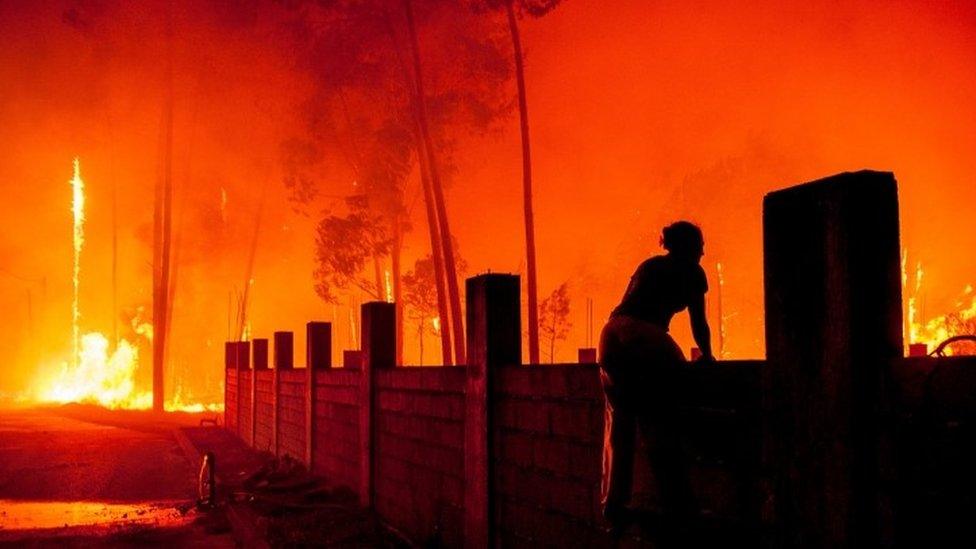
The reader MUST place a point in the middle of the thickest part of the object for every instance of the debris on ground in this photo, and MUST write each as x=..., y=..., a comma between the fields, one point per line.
x=281, y=503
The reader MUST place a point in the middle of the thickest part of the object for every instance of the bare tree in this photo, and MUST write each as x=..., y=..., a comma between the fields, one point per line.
x=554, y=318
x=420, y=294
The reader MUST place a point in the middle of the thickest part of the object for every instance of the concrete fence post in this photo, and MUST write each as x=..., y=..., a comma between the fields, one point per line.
x=259, y=351
x=378, y=327
x=230, y=369
x=494, y=338
x=242, y=350
x=833, y=327
x=284, y=359
x=318, y=356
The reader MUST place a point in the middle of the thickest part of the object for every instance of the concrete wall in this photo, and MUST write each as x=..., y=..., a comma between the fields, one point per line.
x=419, y=451
x=836, y=441
x=264, y=413
x=546, y=433
x=291, y=413
x=336, y=425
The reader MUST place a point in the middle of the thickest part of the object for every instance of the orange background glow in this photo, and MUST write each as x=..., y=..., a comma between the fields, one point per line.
x=641, y=113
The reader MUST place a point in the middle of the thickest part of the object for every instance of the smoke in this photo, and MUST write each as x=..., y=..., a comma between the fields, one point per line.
x=640, y=114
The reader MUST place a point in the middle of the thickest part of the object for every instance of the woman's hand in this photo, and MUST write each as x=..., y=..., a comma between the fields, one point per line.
x=705, y=359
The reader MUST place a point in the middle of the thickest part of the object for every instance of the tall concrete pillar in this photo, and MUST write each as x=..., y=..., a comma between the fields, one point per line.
x=494, y=339
x=260, y=353
x=318, y=345
x=378, y=339
x=833, y=327
x=284, y=359
x=230, y=354
x=243, y=359
x=318, y=356
x=284, y=350
x=230, y=372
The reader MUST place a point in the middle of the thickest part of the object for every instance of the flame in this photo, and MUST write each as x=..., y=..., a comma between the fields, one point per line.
x=99, y=377
x=388, y=285
x=960, y=321
x=109, y=379
x=95, y=375
x=436, y=321
x=78, y=239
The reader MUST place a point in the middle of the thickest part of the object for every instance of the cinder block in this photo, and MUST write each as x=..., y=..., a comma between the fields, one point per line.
x=452, y=490
x=552, y=380
x=571, y=497
x=584, y=382
x=515, y=381
x=534, y=417
x=517, y=448
x=551, y=455
x=585, y=460
x=572, y=420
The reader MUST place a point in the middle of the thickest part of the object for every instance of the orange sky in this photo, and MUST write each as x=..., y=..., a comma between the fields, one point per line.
x=641, y=113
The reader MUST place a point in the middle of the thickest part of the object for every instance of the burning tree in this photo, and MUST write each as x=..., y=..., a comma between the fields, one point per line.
x=397, y=86
x=344, y=244
x=554, y=318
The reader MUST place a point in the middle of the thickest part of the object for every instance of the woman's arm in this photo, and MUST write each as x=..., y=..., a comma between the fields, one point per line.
x=699, y=327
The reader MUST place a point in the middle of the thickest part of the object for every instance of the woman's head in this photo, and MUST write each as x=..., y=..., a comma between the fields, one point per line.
x=683, y=239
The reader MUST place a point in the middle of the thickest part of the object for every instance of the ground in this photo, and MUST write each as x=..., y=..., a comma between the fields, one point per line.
x=75, y=475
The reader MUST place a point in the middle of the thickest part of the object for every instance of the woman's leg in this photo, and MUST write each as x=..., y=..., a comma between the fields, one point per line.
x=660, y=423
x=618, y=452
x=620, y=423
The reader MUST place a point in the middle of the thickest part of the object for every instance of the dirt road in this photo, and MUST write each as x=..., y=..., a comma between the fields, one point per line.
x=81, y=476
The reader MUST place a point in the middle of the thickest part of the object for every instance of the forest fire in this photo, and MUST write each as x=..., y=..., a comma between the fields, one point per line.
x=933, y=331
x=99, y=371
x=333, y=189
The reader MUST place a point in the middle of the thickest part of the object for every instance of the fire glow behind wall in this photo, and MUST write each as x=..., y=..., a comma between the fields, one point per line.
x=641, y=113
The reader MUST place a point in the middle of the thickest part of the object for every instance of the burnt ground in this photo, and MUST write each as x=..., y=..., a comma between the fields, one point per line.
x=276, y=502
x=83, y=476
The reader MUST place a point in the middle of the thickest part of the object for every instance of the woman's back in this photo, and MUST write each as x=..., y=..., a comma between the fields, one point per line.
x=661, y=287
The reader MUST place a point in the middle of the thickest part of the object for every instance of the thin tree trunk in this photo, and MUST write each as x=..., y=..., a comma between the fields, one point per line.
x=450, y=264
x=434, y=227
x=420, y=337
x=397, y=288
x=533, y=303
x=378, y=274
x=249, y=273
x=162, y=222
x=435, y=249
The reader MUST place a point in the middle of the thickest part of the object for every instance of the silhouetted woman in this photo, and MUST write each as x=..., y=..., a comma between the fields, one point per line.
x=638, y=360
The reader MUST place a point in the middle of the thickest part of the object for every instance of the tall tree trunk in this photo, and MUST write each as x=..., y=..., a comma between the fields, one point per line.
x=435, y=250
x=533, y=304
x=378, y=275
x=397, y=287
x=249, y=272
x=162, y=222
x=420, y=337
x=450, y=264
